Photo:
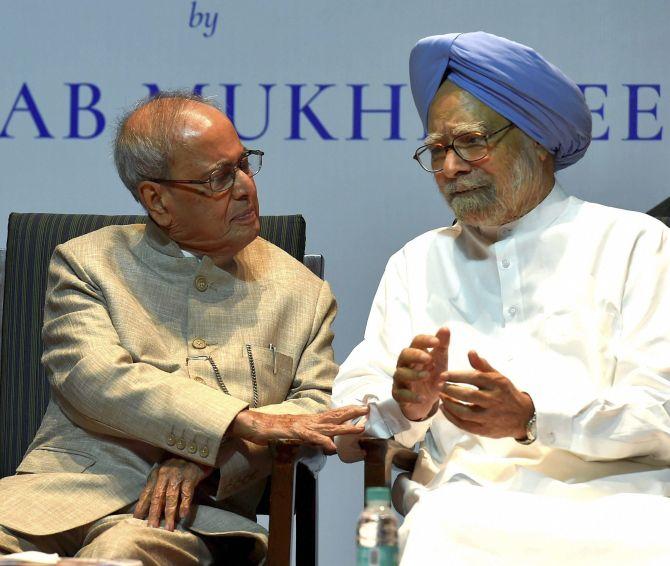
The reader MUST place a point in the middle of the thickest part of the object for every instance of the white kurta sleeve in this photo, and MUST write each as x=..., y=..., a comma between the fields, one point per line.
x=366, y=377
x=631, y=418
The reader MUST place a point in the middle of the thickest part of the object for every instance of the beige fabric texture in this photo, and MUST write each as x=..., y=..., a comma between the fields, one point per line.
x=115, y=537
x=124, y=311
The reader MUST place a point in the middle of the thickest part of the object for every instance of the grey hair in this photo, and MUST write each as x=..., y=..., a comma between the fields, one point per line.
x=143, y=148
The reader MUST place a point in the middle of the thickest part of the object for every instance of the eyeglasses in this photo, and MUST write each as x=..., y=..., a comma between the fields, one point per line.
x=470, y=147
x=222, y=179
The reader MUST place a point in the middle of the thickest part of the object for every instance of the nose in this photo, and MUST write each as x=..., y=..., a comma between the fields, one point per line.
x=244, y=185
x=454, y=166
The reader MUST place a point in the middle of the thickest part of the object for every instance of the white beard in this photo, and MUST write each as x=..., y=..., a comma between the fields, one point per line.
x=495, y=203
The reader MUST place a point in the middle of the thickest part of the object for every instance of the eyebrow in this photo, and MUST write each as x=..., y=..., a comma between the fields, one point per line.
x=225, y=162
x=457, y=130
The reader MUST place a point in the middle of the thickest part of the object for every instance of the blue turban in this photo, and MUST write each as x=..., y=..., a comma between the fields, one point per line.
x=510, y=78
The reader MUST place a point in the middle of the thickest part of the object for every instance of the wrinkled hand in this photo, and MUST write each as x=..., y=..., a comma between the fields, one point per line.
x=318, y=429
x=495, y=408
x=169, y=492
x=418, y=380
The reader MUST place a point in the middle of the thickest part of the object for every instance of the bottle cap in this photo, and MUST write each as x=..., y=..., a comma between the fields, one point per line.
x=377, y=496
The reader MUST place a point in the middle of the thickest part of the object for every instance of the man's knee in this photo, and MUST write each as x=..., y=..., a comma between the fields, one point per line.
x=131, y=538
x=11, y=542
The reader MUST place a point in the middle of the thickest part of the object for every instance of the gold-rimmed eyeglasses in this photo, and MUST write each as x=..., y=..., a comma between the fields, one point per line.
x=470, y=147
x=222, y=179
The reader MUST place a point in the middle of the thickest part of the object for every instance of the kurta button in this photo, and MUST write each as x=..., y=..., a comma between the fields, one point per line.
x=199, y=344
x=192, y=448
x=181, y=444
x=171, y=440
x=505, y=263
x=201, y=283
x=198, y=379
x=204, y=451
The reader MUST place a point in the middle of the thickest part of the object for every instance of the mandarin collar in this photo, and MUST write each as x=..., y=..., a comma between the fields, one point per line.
x=160, y=241
x=538, y=218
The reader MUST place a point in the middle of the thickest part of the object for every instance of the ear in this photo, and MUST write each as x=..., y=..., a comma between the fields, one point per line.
x=541, y=151
x=153, y=198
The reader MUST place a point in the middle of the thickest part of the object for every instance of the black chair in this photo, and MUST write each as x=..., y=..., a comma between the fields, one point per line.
x=24, y=388
x=661, y=210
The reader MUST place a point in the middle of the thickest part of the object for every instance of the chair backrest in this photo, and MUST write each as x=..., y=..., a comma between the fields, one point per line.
x=31, y=239
x=661, y=210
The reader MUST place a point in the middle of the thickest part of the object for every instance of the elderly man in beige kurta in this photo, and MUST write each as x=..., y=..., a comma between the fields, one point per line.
x=172, y=339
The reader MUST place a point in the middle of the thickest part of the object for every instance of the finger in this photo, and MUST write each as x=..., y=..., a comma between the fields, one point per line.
x=171, y=503
x=425, y=341
x=325, y=442
x=336, y=430
x=467, y=394
x=157, y=502
x=467, y=426
x=344, y=413
x=142, y=507
x=443, y=334
x=478, y=362
x=409, y=356
x=402, y=395
x=464, y=412
x=441, y=352
x=475, y=378
x=406, y=375
x=187, y=492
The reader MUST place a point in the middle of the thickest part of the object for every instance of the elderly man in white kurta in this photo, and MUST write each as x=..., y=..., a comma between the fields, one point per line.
x=528, y=345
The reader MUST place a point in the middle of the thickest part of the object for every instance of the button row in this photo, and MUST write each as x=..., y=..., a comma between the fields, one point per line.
x=180, y=444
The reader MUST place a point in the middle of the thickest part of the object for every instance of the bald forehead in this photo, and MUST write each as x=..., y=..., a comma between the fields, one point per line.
x=178, y=114
x=197, y=117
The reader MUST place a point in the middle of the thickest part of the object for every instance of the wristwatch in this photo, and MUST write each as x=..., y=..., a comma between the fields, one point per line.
x=531, y=430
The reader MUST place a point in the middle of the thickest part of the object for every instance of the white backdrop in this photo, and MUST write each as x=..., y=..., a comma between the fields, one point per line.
x=69, y=67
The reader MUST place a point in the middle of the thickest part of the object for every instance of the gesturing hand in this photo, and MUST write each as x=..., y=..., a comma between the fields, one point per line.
x=417, y=379
x=318, y=429
x=169, y=492
x=496, y=409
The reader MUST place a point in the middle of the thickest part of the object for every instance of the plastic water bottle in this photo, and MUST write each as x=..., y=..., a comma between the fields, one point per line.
x=377, y=533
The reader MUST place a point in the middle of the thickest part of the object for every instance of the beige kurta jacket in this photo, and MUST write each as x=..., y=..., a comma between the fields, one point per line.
x=134, y=336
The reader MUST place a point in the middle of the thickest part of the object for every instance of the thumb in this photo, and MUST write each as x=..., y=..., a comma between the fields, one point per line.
x=441, y=352
x=479, y=363
x=443, y=335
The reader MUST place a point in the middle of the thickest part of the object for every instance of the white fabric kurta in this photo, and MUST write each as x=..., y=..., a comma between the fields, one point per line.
x=572, y=304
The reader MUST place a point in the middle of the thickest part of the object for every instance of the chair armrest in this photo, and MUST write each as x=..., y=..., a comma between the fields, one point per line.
x=315, y=263
x=380, y=456
x=290, y=452
x=294, y=469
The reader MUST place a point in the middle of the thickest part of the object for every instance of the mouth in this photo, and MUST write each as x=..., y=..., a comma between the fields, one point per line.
x=469, y=189
x=463, y=190
x=246, y=217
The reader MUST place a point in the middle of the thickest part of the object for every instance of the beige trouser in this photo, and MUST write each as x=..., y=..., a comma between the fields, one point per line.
x=115, y=536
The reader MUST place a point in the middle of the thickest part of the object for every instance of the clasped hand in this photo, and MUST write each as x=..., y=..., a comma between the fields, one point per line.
x=481, y=401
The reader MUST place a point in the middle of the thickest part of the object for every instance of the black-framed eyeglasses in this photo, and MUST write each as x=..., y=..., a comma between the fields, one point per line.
x=222, y=179
x=470, y=147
